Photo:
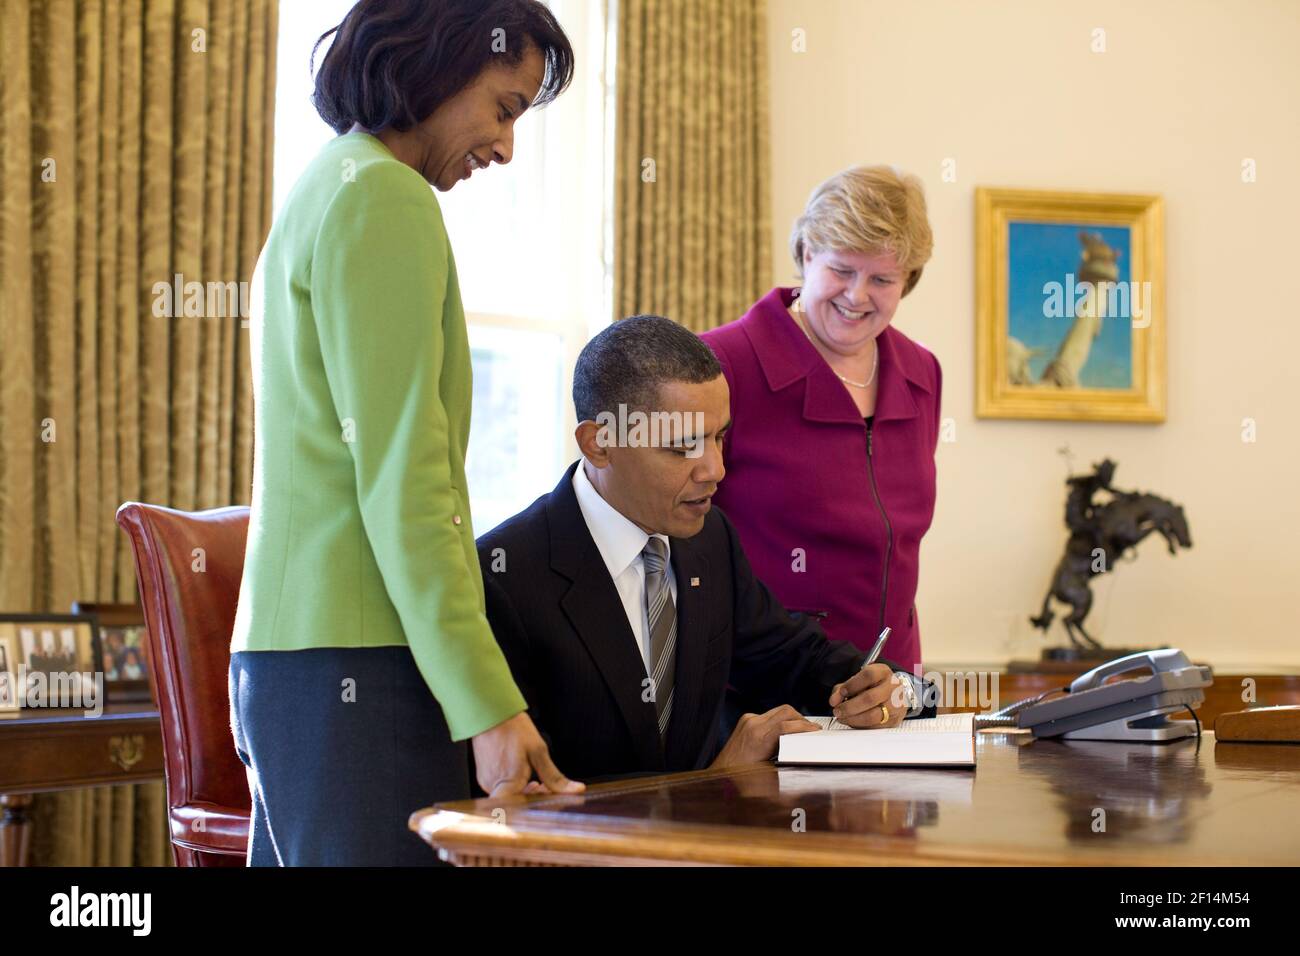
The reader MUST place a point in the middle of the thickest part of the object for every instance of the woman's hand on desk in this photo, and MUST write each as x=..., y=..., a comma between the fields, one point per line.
x=756, y=736
x=507, y=756
x=857, y=702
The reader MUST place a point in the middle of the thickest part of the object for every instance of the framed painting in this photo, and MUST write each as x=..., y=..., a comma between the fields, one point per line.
x=1069, y=306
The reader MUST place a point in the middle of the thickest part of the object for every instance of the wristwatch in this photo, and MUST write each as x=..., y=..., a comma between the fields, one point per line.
x=910, y=696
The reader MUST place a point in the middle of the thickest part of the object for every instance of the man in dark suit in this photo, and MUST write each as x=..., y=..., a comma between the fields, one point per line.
x=624, y=602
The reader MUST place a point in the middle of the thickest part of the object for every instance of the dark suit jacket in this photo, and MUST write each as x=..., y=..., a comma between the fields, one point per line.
x=557, y=615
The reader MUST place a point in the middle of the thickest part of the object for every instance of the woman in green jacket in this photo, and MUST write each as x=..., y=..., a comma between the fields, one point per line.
x=362, y=659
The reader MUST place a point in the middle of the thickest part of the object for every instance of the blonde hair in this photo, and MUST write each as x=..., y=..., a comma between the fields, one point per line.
x=871, y=209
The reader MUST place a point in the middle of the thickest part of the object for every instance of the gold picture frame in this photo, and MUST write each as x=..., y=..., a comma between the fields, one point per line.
x=9, y=695
x=1079, y=279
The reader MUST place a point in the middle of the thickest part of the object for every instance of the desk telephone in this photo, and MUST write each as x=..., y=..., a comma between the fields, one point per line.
x=1134, y=709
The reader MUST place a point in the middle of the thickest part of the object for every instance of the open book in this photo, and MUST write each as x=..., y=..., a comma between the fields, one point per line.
x=947, y=741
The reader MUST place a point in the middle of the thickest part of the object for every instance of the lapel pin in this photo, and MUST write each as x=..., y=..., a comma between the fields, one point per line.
x=695, y=582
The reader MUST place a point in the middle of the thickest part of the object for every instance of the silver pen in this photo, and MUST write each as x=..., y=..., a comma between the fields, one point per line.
x=875, y=651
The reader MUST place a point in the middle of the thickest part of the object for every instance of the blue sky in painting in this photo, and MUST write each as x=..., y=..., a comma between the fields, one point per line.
x=1042, y=252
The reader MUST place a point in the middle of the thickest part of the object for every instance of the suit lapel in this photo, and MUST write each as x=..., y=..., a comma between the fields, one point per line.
x=684, y=730
x=593, y=607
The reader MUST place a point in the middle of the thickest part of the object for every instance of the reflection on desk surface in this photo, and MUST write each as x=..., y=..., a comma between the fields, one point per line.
x=1138, y=791
x=883, y=783
x=1186, y=801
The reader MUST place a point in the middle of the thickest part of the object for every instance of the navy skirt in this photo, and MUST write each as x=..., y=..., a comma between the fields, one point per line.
x=341, y=746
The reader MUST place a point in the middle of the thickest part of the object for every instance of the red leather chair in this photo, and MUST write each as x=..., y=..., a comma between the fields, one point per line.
x=190, y=615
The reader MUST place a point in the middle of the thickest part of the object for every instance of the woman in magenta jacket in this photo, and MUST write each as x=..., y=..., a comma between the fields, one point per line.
x=830, y=459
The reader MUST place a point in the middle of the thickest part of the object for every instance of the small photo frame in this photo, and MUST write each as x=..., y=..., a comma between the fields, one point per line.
x=1070, y=291
x=55, y=658
x=8, y=670
x=123, y=649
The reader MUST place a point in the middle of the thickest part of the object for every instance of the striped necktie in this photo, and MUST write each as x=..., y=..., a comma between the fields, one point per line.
x=662, y=615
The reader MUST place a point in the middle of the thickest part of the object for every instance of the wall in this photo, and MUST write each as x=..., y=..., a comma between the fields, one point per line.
x=1013, y=93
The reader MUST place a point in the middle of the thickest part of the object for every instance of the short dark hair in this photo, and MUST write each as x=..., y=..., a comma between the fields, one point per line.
x=627, y=363
x=393, y=62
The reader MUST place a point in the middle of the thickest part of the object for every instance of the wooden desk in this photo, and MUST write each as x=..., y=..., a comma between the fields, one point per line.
x=1027, y=802
x=43, y=750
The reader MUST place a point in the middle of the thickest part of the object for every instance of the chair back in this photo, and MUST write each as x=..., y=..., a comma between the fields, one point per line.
x=189, y=566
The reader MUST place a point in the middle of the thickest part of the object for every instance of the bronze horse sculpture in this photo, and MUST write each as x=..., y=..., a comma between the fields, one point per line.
x=1099, y=536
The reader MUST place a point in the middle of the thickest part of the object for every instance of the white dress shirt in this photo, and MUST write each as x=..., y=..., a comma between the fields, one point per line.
x=620, y=543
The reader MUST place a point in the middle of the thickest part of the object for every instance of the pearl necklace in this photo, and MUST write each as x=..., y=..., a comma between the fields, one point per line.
x=875, y=359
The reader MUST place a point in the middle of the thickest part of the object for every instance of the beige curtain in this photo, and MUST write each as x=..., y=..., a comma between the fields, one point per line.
x=135, y=144
x=692, y=207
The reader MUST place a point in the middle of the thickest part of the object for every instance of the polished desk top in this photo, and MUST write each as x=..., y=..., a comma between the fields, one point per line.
x=1026, y=802
x=22, y=721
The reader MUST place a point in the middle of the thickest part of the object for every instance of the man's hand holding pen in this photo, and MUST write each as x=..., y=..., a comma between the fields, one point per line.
x=873, y=697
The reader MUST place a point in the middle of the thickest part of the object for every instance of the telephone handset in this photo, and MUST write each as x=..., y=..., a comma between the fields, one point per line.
x=1136, y=709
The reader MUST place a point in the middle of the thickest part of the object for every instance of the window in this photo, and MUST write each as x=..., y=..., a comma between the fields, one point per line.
x=532, y=249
